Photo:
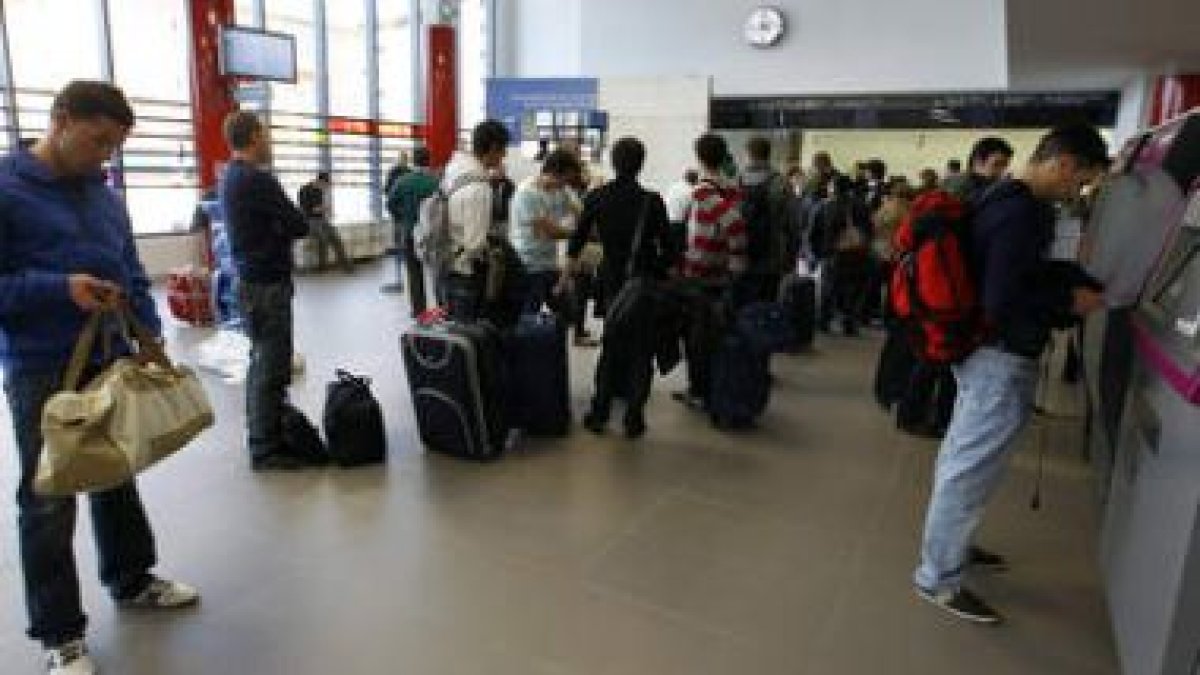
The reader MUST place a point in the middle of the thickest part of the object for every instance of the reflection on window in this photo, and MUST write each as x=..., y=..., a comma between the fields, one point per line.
x=395, y=61
x=295, y=17
x=53, y=42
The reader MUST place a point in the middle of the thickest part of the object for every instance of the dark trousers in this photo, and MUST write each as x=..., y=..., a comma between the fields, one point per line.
x=846, y=276
x=268, y=311
x=623, y=371
x=406, y=258
x=327, y=237
x=539, y=289
x=704, y=311
x=47, y=527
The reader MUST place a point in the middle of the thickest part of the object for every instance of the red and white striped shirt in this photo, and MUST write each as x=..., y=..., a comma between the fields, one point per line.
x=717, y=237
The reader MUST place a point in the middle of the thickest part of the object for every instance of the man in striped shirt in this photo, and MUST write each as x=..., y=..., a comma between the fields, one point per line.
x=715, y=257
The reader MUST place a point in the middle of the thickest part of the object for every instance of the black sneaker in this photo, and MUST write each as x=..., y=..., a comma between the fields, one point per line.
x=278, y=462
x=689, y=400
x=983, y=559
x=635, y=427
x=962, y=603
x=594, y=423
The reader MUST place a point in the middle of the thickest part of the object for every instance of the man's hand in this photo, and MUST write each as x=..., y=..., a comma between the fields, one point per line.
x=89, y=293
x=1086, y=301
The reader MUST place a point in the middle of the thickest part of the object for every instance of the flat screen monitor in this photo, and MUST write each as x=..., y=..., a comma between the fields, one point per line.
x=259, y=54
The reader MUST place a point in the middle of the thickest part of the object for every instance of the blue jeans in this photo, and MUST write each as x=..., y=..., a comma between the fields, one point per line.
x=996, y=393
x=47, y=527
x=268, y=312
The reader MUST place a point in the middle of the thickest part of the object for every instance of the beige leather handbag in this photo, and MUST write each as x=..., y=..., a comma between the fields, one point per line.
x=125, y=420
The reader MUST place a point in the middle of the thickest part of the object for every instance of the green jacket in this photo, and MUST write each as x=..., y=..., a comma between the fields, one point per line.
x=407, y=193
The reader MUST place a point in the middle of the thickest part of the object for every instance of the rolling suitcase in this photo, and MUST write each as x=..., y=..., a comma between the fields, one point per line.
x=538, y=395
x=457, y=386
x=740, y=385
x=189, y=296
x=798, y=293
x=892, y=373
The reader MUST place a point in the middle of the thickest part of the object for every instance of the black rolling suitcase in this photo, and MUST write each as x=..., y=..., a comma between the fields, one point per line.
x=456, y=381
x=740, y=384
x=798, y=293
x=538, y=395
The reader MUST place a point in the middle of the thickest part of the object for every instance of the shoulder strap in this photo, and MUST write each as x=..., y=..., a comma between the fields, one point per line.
x=639, y=235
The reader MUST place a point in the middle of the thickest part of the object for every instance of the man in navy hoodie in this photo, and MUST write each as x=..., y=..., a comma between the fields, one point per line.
x=1024, y=297
x=263, y=226
x=67, y=249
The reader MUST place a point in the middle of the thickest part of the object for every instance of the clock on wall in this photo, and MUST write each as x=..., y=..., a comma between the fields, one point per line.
x=765, y=26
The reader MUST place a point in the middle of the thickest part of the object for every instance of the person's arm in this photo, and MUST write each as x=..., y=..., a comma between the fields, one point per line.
x=659, y=224
x=26, y=290
x=1009, y=256
x=476, y=212
x=733, y=229
x=269, y=202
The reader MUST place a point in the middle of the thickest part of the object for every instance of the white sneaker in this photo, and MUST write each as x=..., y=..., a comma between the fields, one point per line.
x=70, y=658
x=163, y=594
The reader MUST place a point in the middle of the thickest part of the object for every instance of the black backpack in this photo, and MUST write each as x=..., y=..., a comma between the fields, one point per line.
x=354, y=422
x=301, y=439
x=309, y=199
x=756, y=212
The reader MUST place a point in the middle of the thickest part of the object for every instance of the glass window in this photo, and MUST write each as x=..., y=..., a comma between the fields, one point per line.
x=395, y=61
x=243, y=12
x=295, y=17
x=159, y=157
x=348, y=97
x=473, y=67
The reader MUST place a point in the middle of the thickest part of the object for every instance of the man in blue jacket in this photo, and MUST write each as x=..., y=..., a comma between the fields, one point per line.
x=263, y=226
x=1024, y=297
x=67, y=249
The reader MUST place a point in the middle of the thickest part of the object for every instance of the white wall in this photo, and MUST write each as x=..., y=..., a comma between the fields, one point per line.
x=823, y=51
x=666, y=114
x=541, y=38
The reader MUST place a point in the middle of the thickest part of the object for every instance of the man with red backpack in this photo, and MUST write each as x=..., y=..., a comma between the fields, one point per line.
x=1019, y=297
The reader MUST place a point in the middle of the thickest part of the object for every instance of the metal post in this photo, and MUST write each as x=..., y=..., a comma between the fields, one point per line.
x=416, y=32
x=259, y=20
x=320, y=27
x=108, y=73
x=10, y=90
x=376, y=148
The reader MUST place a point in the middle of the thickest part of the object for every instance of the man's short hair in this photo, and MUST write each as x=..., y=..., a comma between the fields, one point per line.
x=712, y=151
x=628, y=156
x=759, y=148
x=988, y=146
x=877, y=169
x=1081, y=141
x=488, y=136
x=89, y=100
x=560, y=163
x=421, y=158
x=240, y=127
x=953, y=166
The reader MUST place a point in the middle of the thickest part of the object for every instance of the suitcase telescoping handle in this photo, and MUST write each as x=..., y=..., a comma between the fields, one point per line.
x=350, y=378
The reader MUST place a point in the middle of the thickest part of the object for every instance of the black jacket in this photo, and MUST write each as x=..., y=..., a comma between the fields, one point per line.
x=1023, y=294
x=612, y=213
x=263, y=223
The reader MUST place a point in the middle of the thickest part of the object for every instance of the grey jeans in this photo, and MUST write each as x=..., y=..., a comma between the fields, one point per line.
x=268, y=312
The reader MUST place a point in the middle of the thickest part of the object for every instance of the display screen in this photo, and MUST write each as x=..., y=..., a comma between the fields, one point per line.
x=250, y=52
x=1175, y=290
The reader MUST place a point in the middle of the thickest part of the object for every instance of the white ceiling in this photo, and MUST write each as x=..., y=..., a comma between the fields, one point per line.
x=1085, y=44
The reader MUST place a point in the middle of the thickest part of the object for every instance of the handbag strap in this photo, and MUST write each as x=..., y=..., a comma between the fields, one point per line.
x=145, y=342
x=638, y=235
x=83, y=349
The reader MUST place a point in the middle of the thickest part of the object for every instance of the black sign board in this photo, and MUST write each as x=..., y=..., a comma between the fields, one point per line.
x=1004, y=110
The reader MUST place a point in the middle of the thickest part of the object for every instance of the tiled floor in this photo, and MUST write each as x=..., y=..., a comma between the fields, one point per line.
x=787, y=550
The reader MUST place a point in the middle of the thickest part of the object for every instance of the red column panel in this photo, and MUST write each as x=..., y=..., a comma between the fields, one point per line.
x=441, y=115
x=1173, y=96
x=212, y=96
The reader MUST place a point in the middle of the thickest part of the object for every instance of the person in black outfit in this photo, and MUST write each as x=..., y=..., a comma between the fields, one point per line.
x=315, y=200
x=614, y=211
x=263, y=225
x=840, y=240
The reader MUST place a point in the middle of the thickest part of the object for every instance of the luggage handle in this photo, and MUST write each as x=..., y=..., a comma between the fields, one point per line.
x=350, y=378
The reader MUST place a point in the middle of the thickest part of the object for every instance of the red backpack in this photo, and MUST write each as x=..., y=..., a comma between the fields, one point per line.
x=932, y=291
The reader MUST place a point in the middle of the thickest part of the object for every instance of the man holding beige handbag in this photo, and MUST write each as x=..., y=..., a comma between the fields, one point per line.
x=67, y=251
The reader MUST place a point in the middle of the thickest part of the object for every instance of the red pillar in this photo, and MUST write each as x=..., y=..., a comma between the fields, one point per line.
x=1173, y=96
x=441, y=113
x=212, y=95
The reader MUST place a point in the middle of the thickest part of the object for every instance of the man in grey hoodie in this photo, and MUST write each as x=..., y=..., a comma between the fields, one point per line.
x=770, y=223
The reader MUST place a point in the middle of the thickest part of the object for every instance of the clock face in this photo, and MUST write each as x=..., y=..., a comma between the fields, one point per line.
x=765, y=26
